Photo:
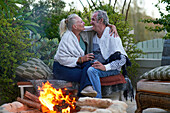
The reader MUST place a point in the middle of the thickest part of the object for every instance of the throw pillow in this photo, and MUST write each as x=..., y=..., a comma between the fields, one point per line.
x=158, y=73
x=112, y=80
x=34, y=69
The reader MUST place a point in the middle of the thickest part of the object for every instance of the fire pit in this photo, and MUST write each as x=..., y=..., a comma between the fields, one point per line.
x=56, y=101
x=64, y=100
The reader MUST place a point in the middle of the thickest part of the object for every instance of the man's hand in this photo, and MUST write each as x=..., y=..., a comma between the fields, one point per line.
x=113, y=30
x=98, y=65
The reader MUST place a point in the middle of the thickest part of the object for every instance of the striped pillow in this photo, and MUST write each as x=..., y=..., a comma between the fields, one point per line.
x=34, y=69
x=159, y=73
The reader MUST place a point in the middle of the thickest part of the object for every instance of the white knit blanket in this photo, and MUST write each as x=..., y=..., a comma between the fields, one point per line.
x=69, y=50
x=110, y=44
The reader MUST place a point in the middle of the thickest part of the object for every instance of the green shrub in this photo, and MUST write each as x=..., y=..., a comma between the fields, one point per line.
x=45, y=49
x=13, y=51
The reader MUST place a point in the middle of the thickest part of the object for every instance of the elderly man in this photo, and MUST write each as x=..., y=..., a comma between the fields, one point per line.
x=107, y=50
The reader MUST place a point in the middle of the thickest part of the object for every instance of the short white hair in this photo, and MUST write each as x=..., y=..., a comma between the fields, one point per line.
x=102, y=14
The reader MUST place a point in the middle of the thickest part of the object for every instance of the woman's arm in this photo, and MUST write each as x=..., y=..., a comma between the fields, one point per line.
x=112, y=29
x=88, y=28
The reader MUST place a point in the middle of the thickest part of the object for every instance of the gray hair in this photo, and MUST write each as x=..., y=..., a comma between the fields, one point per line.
x=67, y=23
x=102, y=14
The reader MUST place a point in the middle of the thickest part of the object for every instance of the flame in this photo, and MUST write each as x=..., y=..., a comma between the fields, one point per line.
x=67, y=110
x=51, y=97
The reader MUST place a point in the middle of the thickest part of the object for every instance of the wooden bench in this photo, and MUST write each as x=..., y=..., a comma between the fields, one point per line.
x=22, y=86
x=105, y=81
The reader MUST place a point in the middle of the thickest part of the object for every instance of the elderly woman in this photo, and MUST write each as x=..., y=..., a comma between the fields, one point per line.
x=70, y=61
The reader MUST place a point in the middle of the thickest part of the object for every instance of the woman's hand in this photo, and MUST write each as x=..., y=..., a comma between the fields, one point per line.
x=113, y=30
x=98, y=65
x=87, y=57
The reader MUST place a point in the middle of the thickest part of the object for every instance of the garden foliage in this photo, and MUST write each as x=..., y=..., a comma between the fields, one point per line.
x=14, y=48
x=163, y=23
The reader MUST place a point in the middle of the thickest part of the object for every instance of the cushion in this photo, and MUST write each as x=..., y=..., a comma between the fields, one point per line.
x=158, y=73
x=154, y=86
x=34, y=69
x=112, y=80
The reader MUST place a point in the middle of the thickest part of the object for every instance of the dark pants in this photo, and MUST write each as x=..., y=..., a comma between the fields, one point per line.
x=73, y=74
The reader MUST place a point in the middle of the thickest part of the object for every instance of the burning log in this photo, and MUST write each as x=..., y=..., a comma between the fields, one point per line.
x=60, y=100
x=31, y=97
x=44, y=109
x=71, y=92
x=29, y=103
x=31, y=111
x=61, y=104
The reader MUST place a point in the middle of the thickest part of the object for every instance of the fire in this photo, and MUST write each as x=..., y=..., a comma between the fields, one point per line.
x=53, y=99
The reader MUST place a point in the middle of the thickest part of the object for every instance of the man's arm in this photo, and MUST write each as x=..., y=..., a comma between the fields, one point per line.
x=117, y=64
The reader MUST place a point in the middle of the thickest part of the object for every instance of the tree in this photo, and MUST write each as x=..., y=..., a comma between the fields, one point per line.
x=141, y=34
x=43, y=13
x=10, y=9
x=163, y=23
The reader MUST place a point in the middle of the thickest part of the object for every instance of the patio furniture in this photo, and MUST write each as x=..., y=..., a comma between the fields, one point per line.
x=152, y=94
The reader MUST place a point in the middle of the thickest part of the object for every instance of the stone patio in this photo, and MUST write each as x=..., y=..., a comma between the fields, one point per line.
x=132, y=107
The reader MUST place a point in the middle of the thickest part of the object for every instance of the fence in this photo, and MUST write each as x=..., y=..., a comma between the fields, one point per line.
x=152, y=58
x=152, y=48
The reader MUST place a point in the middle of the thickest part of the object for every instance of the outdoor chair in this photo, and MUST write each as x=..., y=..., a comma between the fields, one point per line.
x=153, y=91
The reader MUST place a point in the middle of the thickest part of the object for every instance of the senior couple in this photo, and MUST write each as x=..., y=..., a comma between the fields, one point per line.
x=87, y=53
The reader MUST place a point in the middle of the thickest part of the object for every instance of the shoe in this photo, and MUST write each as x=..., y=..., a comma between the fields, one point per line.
x=89, y=91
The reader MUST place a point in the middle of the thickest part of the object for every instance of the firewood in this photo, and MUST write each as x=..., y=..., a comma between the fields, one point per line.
x=31, y=111
x=31, y=97
x=51, y=112
x=69, y=91
x=77, y=109
x=73, y=96
x=72, y=92
x=29, y=103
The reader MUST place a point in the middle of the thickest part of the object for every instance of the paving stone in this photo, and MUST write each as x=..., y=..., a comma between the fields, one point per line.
x=132, y=107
